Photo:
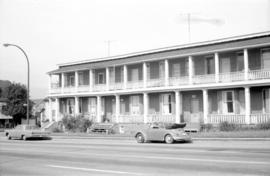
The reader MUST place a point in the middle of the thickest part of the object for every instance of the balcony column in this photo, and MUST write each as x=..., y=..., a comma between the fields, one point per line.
x=50, y=109
x=246, y=63
x=99, y=117
x=247, y=105
x=57, y=113
x=76, y=108
x=125, y=76
x=178, y=105
x=216, y=67
x=62, y=82
x=144, y=74
x=117, y=108
x=190, y=69
x=90, y=80
x=76, y=81
x=107, y=78
x=205, y=106
x=50, y=83
x=166, y=74
x=145, y=107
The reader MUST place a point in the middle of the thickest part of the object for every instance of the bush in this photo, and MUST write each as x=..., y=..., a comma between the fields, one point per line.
x=76, y=124
x=206, y=127
x=263, y=126
x=226, y=126
x=57, y=130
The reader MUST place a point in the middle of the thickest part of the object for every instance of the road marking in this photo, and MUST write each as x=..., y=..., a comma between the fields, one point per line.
x=94, y=170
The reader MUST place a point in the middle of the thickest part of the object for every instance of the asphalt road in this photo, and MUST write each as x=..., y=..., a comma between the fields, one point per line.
x=63, y=156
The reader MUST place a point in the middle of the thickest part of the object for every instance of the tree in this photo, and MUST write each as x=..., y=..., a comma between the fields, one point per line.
x=16, y=95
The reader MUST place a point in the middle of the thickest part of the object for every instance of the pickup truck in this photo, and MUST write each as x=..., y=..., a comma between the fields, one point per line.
x=25, y=132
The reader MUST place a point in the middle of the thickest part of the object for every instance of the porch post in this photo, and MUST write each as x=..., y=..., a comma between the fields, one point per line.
x=216, y=67
x=107, y=78
x=205, y=105
x=62, y=82
x=57, y=114
x=76, y=109
x=190, y=69
x=50, y=83
x=247, y=105
x=125, y=76
x=166, y=74
x=144, y=75
x=91, y=78
x=76, y=81
x=145, y=107
x=246, y=63
x=50, y=109
x=177, y=107
x=99, y=118
x=117, y=108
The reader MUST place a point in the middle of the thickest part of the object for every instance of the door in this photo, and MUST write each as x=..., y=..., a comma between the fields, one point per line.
x=135, y=105
x=135, y=74
x=225, y=65
x=195, y=110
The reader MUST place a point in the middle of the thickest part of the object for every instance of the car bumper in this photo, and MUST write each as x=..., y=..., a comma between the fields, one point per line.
x=182, y=138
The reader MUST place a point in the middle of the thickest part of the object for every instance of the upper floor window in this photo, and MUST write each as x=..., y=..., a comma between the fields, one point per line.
x=210, y=65
x=101, y=79
x=265, y=55
x=69, y=79
x=239, y=61
x=83, y=77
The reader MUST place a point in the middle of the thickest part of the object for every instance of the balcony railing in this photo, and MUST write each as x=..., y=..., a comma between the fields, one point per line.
x=231, y=118
x=161, y=118
x=134, y=84
x=203, y=79
x=69, y=89
x=178, y=81
x=159, y=82
x=231, y=76
x=259, y=118
x=116, y=86
x=127, y=118
x=83, y=88
x=99, y=87
x=258, y=74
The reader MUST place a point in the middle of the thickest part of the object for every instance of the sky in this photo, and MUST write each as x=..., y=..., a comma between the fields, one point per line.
x=58, y=31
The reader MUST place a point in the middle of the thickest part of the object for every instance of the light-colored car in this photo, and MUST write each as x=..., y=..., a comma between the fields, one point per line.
x=168, y=132
x=25, y=132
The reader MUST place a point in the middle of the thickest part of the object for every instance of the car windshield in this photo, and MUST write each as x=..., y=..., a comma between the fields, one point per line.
x=31, y=127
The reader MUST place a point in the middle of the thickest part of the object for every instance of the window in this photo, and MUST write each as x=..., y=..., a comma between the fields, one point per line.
x=69, y=79
x=265, y=54
x=83, y=77
x=101, y=78
x=210, y=65
x=240, y=61
x=265, y=94
x=228, y=97
x=135, y=104
x=92, y=106
x=176, y=69
x=167, y=104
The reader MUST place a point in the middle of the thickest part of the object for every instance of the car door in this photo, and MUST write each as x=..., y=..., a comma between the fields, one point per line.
x=155, y=133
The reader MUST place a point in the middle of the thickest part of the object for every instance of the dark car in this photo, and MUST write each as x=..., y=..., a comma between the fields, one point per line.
x=168, y=132
x=25, y=132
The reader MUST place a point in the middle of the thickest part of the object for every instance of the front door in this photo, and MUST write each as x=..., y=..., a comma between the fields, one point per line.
x=195, y=110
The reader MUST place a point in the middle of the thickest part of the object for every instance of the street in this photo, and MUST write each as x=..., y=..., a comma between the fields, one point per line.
x=105, y=156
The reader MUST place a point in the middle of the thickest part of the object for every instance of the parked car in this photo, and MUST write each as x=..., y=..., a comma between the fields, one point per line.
x=168, y=132
x=25, y=132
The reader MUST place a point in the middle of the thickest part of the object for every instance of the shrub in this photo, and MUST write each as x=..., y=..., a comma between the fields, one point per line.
x=263, y=126
x=226, y=126
x=57, y=130
x=206, y=127
x=76, y=124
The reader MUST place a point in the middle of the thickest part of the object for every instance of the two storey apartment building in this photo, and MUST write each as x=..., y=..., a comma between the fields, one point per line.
x=206, y=82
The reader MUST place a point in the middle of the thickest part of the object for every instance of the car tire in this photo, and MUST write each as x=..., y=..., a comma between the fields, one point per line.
x=169, y=139
x=140, y=138
x=8, y=137
x=24, y=138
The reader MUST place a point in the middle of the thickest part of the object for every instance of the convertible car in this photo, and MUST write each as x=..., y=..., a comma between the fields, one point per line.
x=168, y=132
x=25, y=132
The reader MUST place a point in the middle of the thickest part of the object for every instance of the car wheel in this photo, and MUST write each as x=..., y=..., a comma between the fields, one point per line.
x=140, y=138
x=169, y=139
x=8, y=137
x=24, y=138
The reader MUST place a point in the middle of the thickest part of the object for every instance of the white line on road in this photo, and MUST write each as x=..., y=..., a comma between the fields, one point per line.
x=94, y=170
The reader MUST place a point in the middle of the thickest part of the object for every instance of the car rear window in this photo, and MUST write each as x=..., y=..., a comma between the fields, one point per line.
x=174, y=125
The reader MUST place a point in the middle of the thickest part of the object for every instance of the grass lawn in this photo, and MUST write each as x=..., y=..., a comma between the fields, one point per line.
x=233, y=134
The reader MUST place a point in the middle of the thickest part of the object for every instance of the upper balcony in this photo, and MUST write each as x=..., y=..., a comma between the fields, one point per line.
x=215, y=68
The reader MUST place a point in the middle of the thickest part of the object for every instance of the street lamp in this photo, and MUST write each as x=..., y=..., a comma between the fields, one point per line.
x=28, y=75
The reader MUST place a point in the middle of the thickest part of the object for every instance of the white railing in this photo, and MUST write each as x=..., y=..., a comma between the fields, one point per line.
x=231, y=118
x=161, y=118
x=69, y=89
x=203, y=79
x=56, y=90
x=177, y=81
x=159, y=82
x=258, y=74
x=116, y=86
x=231, y=76
x=83, y=88
x=134, y=84
x=259, y=118
x=99, y=87
x=127, y=118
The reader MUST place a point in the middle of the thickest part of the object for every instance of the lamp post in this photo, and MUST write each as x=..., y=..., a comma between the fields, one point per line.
x=28, y=75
